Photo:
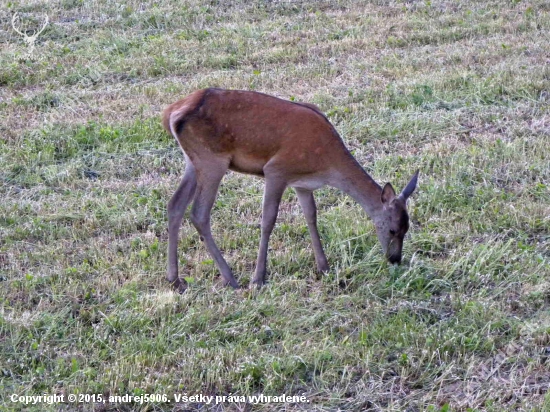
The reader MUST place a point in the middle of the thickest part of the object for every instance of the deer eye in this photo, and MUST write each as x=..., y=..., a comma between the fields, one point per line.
x=392, y=232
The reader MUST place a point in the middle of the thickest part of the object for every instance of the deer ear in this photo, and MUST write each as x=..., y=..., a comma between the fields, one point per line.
x=388, y=194
x=409, y=189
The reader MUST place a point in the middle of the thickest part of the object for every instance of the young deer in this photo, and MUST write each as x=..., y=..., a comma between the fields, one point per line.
x=287, y=143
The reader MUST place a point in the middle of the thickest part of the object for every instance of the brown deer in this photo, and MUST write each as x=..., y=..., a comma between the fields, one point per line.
x=287, y=143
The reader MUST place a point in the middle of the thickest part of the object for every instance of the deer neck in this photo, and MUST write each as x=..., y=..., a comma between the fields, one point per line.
x=352, y=179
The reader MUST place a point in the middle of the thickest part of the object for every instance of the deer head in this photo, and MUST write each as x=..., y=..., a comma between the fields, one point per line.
x=392, y=223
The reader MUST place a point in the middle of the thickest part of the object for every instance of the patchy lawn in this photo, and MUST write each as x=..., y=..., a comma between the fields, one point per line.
x=460, y=90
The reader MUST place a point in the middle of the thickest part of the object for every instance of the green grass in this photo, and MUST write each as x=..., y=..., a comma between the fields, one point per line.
x=459, y=90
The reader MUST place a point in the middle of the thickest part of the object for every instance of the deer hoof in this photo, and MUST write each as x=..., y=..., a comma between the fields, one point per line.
x=179, y=286
x=257, y=284
x=323, y=268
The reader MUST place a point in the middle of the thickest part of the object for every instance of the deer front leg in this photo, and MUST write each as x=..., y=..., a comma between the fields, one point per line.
x=307, y=202
x=207, y=188
x=273, y=192
x=176, y=209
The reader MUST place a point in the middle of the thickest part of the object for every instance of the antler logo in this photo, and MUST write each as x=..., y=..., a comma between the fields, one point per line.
x=30, y=40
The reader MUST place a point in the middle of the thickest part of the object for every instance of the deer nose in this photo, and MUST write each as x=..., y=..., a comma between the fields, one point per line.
x=394, y=259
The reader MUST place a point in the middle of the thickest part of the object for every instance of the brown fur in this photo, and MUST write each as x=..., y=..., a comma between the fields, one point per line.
x=252, y=128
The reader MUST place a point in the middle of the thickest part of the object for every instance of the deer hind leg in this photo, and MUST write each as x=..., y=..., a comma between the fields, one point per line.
x=307, y=202
x=208, y=181
x=176, y=209
x=273, y=192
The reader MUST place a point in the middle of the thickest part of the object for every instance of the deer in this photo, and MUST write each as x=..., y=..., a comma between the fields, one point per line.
x=288, y=144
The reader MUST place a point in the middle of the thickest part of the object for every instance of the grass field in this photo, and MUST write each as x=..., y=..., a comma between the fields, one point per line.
x=458, y=89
